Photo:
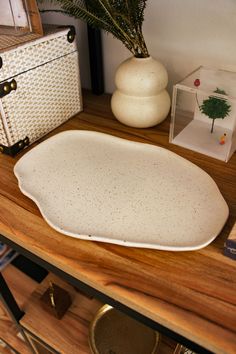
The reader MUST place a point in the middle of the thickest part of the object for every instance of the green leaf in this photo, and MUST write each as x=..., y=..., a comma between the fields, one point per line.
x=122, y=18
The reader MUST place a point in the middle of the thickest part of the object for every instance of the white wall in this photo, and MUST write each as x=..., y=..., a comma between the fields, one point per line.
x=183, y=34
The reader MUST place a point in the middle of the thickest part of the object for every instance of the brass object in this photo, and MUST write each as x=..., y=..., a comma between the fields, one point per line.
x=13, y=84
x=6, y=88
x=180, y=349
x=26, y=141
x=14, y=149
x=56, y=300
x=51, y=293
x=113, y=332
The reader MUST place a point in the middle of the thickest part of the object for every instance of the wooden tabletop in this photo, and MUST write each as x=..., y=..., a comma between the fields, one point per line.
x=192, y=293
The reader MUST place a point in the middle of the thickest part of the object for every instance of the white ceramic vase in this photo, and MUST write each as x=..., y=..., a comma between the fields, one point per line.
x=141, y=100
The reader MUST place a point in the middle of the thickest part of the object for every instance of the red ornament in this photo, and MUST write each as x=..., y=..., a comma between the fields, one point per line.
x=197, y=82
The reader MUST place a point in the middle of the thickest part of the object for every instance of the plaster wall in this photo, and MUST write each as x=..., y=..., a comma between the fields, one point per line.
x=183, y=34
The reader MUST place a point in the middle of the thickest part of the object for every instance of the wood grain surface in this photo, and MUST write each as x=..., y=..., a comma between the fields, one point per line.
x=69, y=334
x=192, y=293
x=21, y=286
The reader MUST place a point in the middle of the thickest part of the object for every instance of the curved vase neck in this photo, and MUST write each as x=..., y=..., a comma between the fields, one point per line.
x=142, y=59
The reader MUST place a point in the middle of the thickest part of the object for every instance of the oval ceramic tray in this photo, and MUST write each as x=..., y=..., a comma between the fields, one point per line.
x=99, y=187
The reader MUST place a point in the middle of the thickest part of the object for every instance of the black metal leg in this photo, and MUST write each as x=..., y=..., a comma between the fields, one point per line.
x=9, y=301
x=12, y=308
x=96, y=60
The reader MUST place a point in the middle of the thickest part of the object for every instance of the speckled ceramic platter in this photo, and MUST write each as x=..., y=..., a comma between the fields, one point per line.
x=99, y=187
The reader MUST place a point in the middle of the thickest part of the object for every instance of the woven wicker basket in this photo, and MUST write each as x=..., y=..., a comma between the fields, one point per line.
x=39, y=86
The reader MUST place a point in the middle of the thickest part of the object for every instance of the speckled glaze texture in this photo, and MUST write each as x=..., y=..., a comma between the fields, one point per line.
x=141, y=100
x=95, y=186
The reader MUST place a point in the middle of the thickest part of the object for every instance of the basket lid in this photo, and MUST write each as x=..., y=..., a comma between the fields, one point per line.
x=20, y=54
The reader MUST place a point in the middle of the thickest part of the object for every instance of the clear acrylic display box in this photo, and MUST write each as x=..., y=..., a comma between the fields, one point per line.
x=14, y=17
x=203, y=116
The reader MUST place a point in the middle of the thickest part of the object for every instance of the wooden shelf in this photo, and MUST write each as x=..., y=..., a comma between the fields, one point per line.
x=9, y=334
x=5, y=350
x=21, y=286
x=190, y=293
x=68, y=335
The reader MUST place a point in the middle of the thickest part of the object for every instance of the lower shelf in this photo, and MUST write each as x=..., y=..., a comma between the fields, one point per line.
x=68, y=335
x=4, y=349
x=37, y=345
x=65, y=336
x=21, y=286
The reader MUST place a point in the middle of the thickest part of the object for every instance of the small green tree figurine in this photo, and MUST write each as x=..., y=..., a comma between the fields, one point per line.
x=215, y=107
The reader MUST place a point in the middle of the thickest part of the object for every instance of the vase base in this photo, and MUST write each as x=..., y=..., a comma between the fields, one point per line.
x=140, y=112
